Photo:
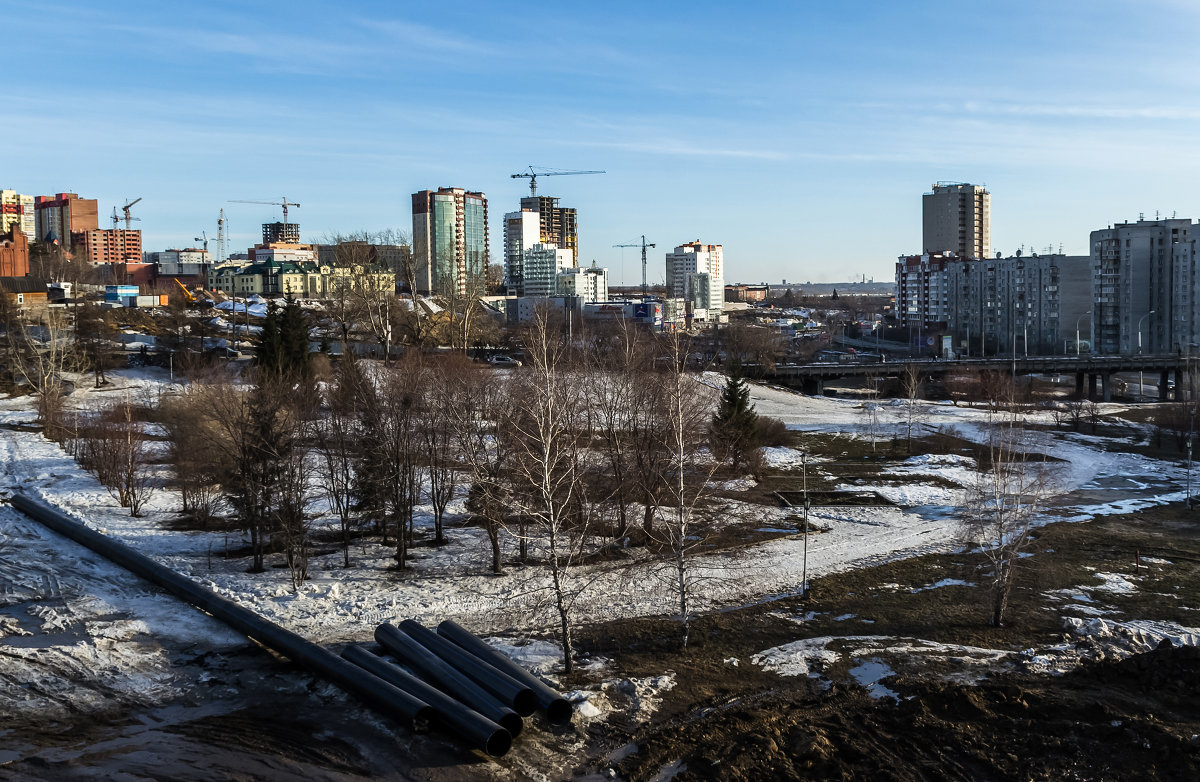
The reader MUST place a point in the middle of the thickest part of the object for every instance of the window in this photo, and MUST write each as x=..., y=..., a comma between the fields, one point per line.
x=20, y=298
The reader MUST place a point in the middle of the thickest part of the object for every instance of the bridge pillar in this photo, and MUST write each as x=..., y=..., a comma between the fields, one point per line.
x=814, y=386
x=1079, y=385
x=1164, y=378
x=1091, y=386
x=1106, y=383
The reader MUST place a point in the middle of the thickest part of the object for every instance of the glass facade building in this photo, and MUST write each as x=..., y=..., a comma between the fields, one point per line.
x=450, y=240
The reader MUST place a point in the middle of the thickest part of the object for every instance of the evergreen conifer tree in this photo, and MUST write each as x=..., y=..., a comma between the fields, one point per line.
x=270, y=343
x=735, y=424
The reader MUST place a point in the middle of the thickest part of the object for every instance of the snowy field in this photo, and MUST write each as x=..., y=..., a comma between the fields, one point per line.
x=339, y=605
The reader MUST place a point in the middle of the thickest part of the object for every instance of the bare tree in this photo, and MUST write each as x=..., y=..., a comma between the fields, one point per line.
x=478, y=402
x=42, y=353
x=546, y=474
x=1002, y=507
x=617, y=371
x=689, y=409
x=438, y=432
x=913, y=413
x=291, y=513
x=194, y=457
x=336, y=437
x=115, y=448
x=870, y=408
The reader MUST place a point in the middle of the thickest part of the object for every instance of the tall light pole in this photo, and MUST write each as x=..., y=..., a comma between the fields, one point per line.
x=1140, y=321
x=1141, y=388
x=1077, y=322
x=804, y=485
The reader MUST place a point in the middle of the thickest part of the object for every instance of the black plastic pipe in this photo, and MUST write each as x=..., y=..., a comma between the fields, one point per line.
x=508, y=690
x=558, y=710
x=477, y=729
x=377, y=693
x=461, y=687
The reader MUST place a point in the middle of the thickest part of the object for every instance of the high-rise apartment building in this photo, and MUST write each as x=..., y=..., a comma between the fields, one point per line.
x=995, y=305
x=1145, y=281
x=108, y=245
x=61, y=216
x=557, y=225
x=17, y=210
x=696, y=274
x=281, y=233
x=450, y=239
x=957, y=218
x=522, y=230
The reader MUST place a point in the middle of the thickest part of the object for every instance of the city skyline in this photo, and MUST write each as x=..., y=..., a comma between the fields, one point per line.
x=800, y=139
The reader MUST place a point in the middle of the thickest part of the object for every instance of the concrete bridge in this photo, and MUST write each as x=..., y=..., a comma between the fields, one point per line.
x=1094, y=370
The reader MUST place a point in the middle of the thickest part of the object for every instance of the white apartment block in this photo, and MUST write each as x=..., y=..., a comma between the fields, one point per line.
x=541, y=264
x=522, y=230
x=16, y=210
x=591, y=284
x=696, y=273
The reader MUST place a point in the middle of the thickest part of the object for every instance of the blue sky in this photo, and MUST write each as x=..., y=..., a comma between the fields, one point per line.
x=798, y=135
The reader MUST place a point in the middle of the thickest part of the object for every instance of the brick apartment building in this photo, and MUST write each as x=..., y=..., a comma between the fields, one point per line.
x=14, y=254
x=108, y=245
x=63, y=215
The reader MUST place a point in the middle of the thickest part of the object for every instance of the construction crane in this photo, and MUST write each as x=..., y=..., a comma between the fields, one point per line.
x=643, y=245
x=126, y=209
x=221, y=227
x=284, y=203
x=533, y=175
x=203, y=237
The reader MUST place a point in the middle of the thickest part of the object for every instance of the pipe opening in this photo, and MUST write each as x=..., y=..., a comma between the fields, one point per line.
x=498, y=744
x=559, y=711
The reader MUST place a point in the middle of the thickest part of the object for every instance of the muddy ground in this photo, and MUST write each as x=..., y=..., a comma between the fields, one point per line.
x=1137, y=718
x=251, y=716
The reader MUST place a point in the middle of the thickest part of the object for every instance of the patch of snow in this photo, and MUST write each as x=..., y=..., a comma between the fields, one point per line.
x=945, y=582
x=1115, y=583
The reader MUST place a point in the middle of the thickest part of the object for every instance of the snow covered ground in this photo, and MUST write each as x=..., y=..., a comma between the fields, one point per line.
x=345, y=604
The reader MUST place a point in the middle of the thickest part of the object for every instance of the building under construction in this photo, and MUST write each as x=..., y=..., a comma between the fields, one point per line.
x=559, y=224
x=281, y=233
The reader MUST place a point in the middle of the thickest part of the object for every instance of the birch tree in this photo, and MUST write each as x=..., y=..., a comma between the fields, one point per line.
x=1002, y=506
x=546, y=474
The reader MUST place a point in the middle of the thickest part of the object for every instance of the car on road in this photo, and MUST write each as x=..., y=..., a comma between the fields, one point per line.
x=504, y=361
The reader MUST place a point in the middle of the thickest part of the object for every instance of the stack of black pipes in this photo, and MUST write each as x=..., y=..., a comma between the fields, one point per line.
x=476, y=692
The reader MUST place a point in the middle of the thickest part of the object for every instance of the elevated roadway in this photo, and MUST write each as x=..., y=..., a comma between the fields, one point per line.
x=811, y=378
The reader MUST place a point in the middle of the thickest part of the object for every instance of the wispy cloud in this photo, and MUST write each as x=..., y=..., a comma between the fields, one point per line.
x=428, y=39
x=1085, y=111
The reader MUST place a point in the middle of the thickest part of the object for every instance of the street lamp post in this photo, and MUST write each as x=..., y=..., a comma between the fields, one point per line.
x=1140, y=321
x=804, y=485
x=1077, y=322
x=1141, y=387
